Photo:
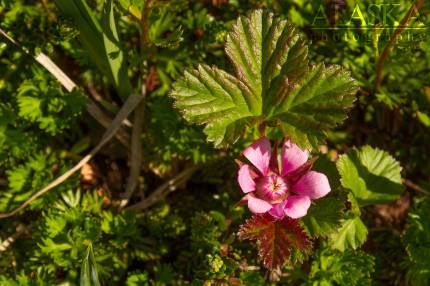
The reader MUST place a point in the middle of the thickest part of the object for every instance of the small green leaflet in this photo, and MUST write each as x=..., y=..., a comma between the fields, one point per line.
x=337, y=268
x=162, y=30
x=212, y=96
x=89, y=275
x=351, y=234
x=273, y=83
x=372, y=175
x=417, y=243
x=134, y=7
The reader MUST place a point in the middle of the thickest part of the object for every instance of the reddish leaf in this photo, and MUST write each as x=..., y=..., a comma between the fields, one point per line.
x=253, y=227
x=276, y=238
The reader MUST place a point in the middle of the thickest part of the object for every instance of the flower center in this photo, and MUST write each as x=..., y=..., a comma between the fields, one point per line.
x=272, y=188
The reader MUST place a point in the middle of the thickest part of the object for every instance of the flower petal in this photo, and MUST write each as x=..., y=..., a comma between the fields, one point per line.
x=257, y=205
x=297, y=206
x=245, y=180
x=278, y=211
x=258, y=153
x=292, y=157
x=312, y=184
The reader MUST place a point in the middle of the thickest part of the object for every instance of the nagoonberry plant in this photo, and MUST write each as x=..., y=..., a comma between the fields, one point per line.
x=161, y=202
x=276, y=90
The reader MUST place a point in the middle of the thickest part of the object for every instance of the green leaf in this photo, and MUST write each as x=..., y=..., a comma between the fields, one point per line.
x=273, y=83
x=325, y=165
x=100, y=40
x=133, y=7
x=213, y=97
x=277, y=239
x=347, y=268
x=315, y=104
x=351, y=234
x=52, y=247
x=89, y=275
x=423, y=118
x=114, y=52
x=264, y=50
x=372, y=175
x=162, y=30
x=137, y=279
x=417, y=243
x=25, y=179
x=323, y=216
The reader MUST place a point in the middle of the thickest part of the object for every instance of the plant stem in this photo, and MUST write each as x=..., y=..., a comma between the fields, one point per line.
x=125, y=110
x=164, y=189
x=139, y=114
x=385, y=52
x=415, y=187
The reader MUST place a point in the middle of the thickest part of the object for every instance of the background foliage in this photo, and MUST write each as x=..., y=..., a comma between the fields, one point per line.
x=370, y=230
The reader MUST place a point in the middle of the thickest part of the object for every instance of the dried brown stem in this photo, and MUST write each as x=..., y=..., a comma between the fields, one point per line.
x=386, y=51
x=69, y=85
x=125, y=110
x=5, y=244
x=136, y=153
x=169, y=186
x=139, y=115
x=104, y=120
x=144, y=24
x=415, y=187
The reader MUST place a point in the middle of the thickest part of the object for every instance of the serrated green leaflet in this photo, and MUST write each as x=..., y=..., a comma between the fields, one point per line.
x=316, y=104
x=347, y=268
x=162, y=31
x=212, y=96
x=273, y=83
x=265, y=52
x=351, y=234
x=417, y=243
x=324, y=216
x=372, y=175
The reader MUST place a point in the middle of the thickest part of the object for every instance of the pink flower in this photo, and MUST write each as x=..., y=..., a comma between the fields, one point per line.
x=288, y=191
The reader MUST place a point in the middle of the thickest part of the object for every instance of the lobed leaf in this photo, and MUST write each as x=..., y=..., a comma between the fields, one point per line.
x=317, y=103
x=351, y=234
x=265, y=51
x=323, y=217
x=372, y=175
x=277, y=238
x=213, y=97
x=162, y=31
x=273, y=76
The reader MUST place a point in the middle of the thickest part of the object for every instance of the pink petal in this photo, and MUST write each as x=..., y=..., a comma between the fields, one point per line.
x=257, y=205
x=292, y=157
x=297, y=206
x=245, y=180
x=258, y=153
x=312, y=184
x=278, y=211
